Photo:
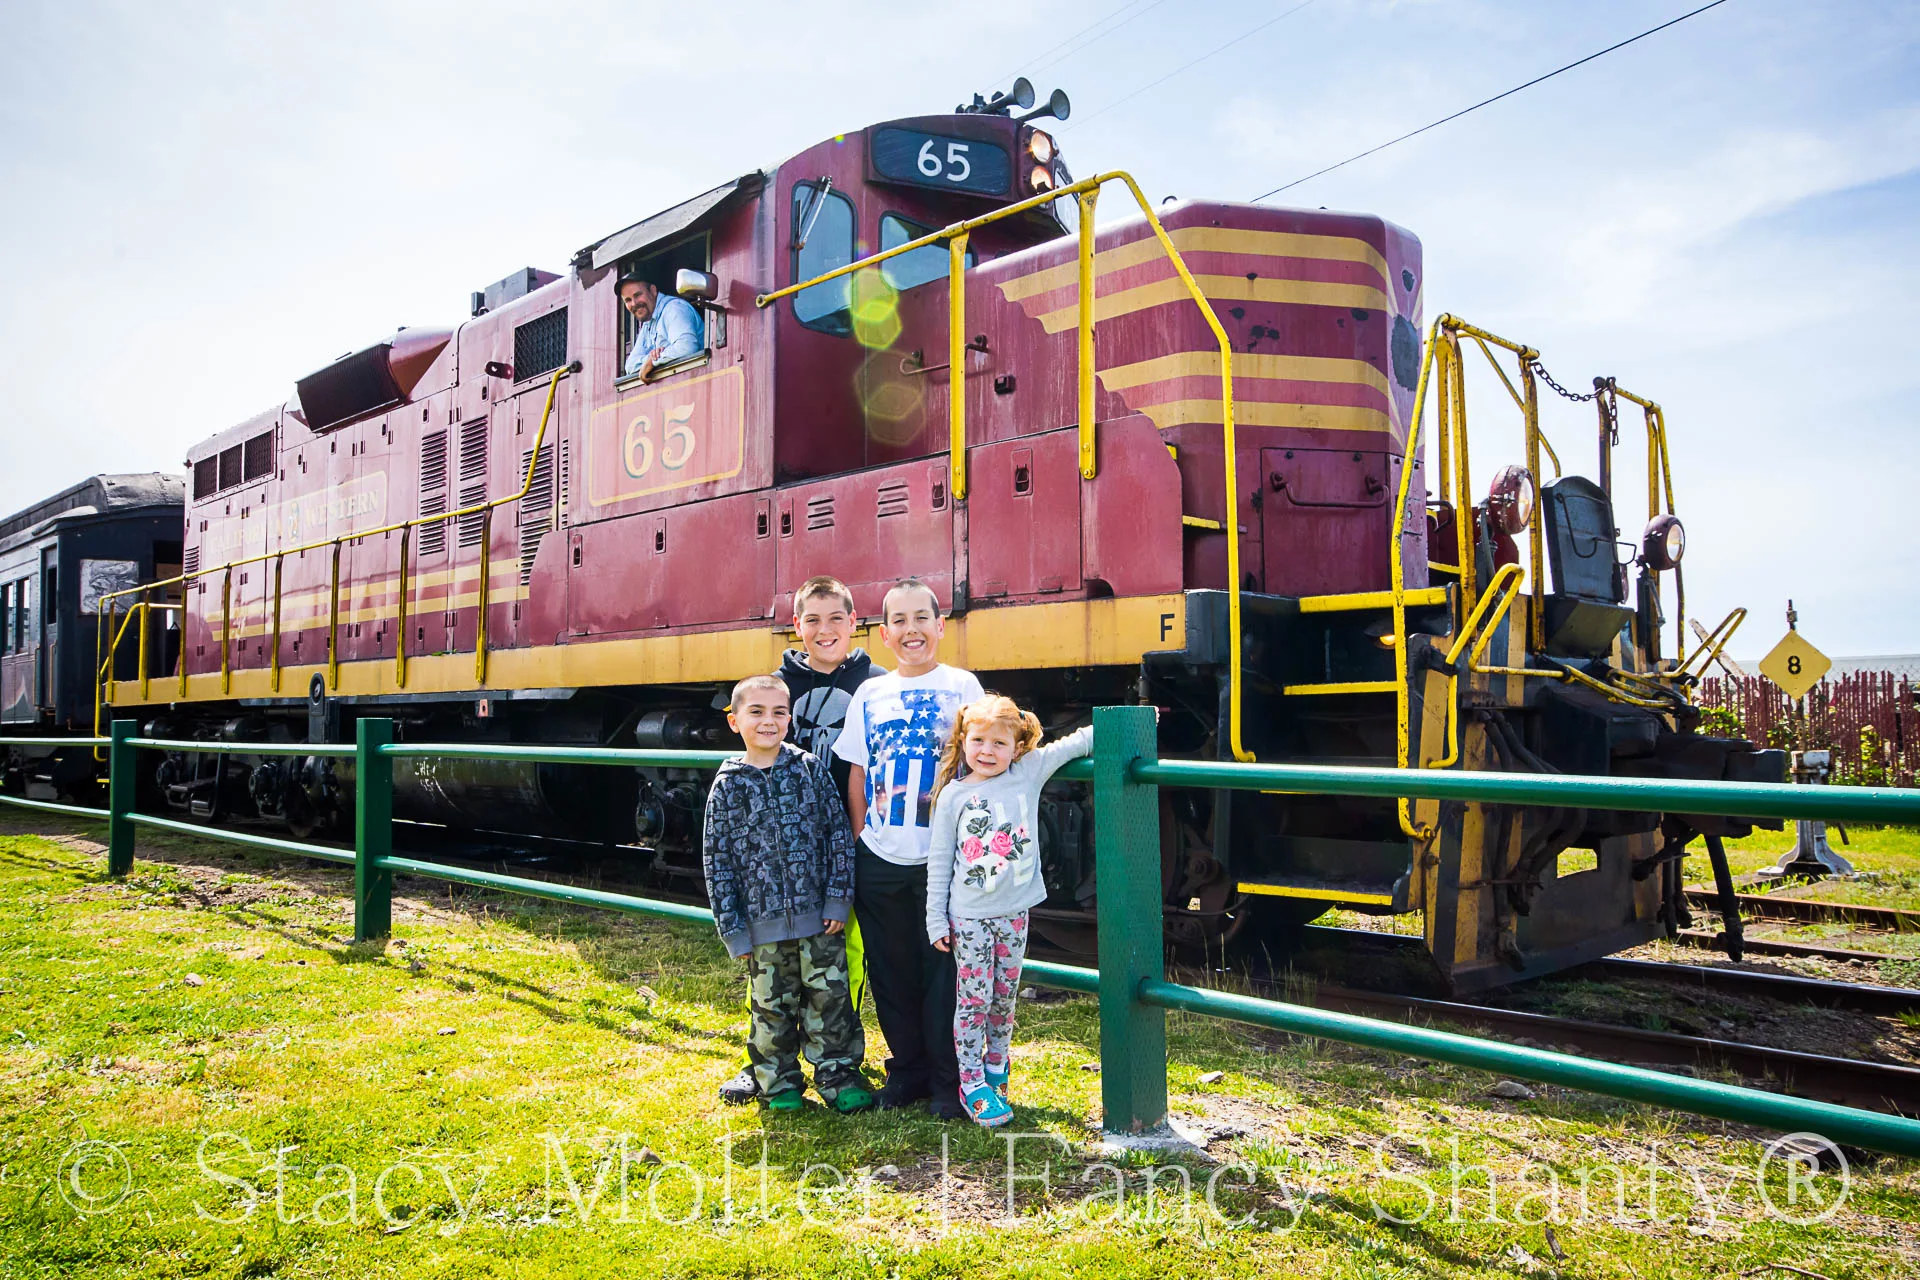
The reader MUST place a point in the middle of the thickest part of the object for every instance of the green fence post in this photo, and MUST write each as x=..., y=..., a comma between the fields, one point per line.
x=372, y=831
x=121, y=759
x=1126, y=834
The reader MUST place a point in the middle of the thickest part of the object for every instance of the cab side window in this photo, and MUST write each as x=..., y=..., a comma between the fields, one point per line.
x=918, y=267
x=822, y=240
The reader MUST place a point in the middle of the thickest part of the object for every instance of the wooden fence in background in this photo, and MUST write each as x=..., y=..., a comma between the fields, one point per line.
x=1867, y=719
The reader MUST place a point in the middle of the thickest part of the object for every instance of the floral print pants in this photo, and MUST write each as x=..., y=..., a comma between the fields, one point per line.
x=987, y=955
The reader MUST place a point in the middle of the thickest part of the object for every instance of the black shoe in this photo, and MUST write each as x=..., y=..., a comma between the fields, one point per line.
x=948, y=1107
x=895, y=1094
x=740, y=1090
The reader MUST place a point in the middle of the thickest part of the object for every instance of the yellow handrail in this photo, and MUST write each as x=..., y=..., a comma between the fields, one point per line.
x=333, y=657
x=1659, y=481
x=1501, y=590
x=956, y=341
x=1714, y=642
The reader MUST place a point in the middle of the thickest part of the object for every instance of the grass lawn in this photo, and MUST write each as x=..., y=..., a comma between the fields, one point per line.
x=202, y=1077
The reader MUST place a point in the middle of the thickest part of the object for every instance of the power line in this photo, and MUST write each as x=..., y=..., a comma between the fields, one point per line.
x=1495, y=98
x=1188, y=66
x=1038, y=62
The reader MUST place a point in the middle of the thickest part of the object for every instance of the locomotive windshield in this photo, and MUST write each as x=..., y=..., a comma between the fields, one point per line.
x=924, y=264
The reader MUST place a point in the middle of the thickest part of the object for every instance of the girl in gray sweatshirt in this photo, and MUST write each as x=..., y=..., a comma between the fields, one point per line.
x=983, y=875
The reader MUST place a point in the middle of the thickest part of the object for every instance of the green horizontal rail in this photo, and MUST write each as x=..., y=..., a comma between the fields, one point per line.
x=245, y=748
x=548, y=889
x=657, y=757
x=1729, y=1102
x=1066, y=977
x=74, y=810
x=1723, y=799
x=53, y=742
x=297, y=848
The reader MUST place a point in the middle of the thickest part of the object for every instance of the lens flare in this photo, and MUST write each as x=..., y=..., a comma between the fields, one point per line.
x=875, y=309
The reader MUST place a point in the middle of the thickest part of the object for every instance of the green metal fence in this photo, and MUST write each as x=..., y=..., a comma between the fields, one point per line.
x=1131, y=984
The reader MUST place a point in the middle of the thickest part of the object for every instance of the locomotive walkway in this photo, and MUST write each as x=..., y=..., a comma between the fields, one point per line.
x=1130, y=981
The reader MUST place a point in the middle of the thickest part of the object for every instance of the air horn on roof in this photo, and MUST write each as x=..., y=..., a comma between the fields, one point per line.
x=1019, y=97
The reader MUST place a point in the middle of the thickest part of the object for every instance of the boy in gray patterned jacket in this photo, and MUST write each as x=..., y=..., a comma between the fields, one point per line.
x=779, y=861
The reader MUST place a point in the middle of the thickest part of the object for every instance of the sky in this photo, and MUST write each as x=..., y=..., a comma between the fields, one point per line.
x=206, y=201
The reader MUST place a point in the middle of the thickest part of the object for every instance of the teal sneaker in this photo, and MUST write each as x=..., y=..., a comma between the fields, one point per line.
x=997, y=1080
x=987, y=1108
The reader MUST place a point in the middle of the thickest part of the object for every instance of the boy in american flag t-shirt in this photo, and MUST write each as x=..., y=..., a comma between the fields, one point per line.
x=895, y=729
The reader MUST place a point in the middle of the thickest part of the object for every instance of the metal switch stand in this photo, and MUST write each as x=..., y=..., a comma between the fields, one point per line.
x=1811, y=855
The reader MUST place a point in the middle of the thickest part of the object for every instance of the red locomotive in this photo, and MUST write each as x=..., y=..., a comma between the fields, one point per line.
x=494, y=532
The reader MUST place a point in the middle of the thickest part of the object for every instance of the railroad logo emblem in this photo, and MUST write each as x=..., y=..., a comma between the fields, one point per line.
x=1795, y=665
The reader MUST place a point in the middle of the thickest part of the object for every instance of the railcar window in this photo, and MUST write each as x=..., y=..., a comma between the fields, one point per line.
x=822, y=240
x=22, y=613
x=6, y=612
x=911, y=270
x=662, y=267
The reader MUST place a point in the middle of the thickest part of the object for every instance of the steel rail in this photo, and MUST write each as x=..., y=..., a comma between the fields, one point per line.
x=1884, y=1087
x=1769, y=907
x=1771, y=947
x=1860, y=997
x=1875, y=1130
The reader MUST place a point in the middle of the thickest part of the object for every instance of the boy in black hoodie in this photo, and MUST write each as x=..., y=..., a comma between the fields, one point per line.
x=821, y=676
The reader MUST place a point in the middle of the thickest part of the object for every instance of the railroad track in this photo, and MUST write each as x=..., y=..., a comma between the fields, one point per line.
x=1765, y=906
x=1875, y=1086
x=1710, y=941
x=1860, y=997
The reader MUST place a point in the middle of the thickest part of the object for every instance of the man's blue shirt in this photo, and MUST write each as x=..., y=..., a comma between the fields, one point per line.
x=674, y=328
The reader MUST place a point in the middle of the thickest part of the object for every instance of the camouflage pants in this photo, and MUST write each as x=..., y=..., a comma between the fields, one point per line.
x=797, y=997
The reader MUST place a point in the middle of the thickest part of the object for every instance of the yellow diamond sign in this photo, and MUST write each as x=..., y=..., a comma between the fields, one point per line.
x=1795, y=665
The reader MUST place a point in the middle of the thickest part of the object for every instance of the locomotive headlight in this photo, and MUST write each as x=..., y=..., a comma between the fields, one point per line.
x=1510, y=502
x=1041, y=179
x=1664, y=542
x=1040, y=147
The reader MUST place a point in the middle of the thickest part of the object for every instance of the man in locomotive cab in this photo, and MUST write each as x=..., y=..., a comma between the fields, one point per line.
x=670, y=327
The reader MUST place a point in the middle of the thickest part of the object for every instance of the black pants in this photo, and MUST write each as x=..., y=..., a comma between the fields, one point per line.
x=912, y=980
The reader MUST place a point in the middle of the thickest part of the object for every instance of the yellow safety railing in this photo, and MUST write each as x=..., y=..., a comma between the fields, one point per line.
x=955, y=237
x=1712, y=644
x=482, y=509
x=1659, y=483
x=1478, y=629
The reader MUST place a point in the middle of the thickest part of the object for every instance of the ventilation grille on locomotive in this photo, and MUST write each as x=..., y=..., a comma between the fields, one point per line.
x=540, y=345
x=433, y=491
x=473, y=480
x=540, y=505
x=893, y=499
x=257, y=459
x=820, y=512
x=206, y=478
x=190, y=562
x=230, y=467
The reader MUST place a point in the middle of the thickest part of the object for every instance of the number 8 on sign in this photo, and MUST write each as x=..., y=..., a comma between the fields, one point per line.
x=1795, y=665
